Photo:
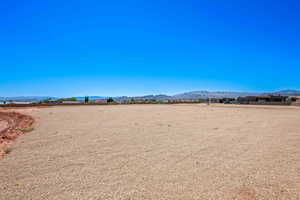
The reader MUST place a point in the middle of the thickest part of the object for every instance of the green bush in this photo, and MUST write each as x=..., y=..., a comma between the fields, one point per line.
x=71, y=99
x=45, y=101
x=110, y=100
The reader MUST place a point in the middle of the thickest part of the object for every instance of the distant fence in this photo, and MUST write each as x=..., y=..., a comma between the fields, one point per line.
x=52, y=104
x=267, y=103
x=129, y=103
x=296, y=104
x=91, y=104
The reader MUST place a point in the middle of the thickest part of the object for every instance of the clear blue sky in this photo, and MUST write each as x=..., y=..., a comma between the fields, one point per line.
x=112, y=48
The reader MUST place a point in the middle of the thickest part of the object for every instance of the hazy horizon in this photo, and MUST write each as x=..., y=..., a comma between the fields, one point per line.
x=107, y=96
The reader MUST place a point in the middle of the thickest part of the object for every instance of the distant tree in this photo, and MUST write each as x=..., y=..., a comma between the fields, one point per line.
x=291, y=99
x=46, y=101
x=71, y=99
x=86, y=99
x=201, y=100
x=110, y=100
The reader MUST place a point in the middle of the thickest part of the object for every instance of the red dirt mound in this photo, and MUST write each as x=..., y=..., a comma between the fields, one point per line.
x=12, y=124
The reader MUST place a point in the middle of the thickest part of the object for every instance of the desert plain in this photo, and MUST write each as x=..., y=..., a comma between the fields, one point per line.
x=156, y=152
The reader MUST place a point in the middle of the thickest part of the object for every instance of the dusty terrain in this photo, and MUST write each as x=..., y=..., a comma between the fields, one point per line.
x=156, y=152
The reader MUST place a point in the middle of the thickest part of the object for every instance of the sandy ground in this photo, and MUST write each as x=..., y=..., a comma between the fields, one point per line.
x=156, y=152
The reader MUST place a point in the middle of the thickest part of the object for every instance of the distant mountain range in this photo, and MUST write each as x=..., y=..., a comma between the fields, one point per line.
x=288, y=93
x=186, y=95
x=208, y=94
x=27, y=98
x=40, y=98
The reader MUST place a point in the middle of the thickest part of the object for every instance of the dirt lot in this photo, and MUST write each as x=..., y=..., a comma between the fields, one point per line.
x=156, y=152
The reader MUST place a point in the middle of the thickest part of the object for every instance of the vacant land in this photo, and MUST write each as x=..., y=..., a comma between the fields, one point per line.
x=156, y=152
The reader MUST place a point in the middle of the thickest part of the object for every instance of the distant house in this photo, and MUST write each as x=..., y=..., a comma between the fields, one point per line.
x=24, y=102
x=268, y=99
x=223, y=100
x=100, y=101
x=71, y=102
x=297, y=102
x=62, y=101
x=55, y=101
x=17, y=102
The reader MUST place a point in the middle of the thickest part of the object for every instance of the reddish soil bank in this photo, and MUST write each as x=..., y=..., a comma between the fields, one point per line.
x=12, y=124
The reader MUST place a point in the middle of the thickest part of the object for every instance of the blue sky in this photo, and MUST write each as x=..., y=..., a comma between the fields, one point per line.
x=113, y=48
